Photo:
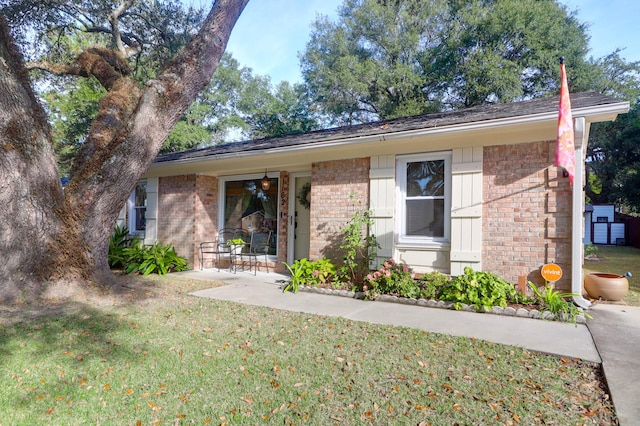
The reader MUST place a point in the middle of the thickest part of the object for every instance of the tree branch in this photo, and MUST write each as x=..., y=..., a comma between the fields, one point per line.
x=57, y=69
x=133, y=43
x=115, y=29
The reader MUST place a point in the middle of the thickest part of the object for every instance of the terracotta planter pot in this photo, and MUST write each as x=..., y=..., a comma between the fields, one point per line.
x=606, y=286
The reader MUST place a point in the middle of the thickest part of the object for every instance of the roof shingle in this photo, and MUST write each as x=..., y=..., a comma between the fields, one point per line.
x=442, y=119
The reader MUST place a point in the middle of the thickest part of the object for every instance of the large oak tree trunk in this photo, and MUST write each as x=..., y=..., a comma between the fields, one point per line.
x=55, y=235
x=31, y=197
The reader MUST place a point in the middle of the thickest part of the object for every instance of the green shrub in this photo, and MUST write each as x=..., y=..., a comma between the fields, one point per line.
x=554, y=301
x=157, y=259
x=360, y=247
x=483, y=290
x=431, y=284
x=590, y=249
x=305, y=272
x=118, y=242
x=391, y=278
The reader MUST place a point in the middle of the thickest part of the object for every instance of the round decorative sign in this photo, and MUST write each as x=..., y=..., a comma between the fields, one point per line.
x=551, y=272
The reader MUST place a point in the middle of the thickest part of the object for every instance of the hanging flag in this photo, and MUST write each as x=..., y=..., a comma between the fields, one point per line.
x=565, y=152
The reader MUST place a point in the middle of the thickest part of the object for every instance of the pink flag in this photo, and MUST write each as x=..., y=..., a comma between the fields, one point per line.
x=565, y=152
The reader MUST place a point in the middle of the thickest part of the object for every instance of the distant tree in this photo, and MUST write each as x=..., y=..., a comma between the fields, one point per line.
x=72, y=108
x=286, y=111
x=612, y=75
x=374, y=62
x=237, y=104
x=613, y=162
x=505, y=50
x=613, y=152
x=386, y=59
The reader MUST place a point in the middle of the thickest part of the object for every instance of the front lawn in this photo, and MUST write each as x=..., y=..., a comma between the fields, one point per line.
x=618, y=260
x=151, y=354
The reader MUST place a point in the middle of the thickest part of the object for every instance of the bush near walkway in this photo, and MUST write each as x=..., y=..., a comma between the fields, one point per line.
x=482, y=290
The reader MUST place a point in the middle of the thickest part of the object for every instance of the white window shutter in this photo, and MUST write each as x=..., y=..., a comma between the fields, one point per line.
x=466, y=210
x=382, y=200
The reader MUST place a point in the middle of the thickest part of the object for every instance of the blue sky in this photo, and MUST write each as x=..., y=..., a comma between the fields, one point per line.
x=270, y=34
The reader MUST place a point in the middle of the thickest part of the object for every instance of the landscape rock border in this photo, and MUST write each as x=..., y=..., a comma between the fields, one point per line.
x=430, y=303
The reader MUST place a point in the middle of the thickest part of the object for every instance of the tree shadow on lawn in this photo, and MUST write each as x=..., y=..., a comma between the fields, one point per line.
x=47, y=345
x=58, y=329
x=55, y=351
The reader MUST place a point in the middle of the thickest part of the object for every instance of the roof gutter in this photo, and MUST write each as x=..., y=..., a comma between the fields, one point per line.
x=577, y=196
x=599, y=113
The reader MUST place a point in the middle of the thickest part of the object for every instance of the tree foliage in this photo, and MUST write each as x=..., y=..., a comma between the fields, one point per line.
x=505, y=50
x=373, y=62
x=613, y=162
x=72, y=109
x=239, y=104
x=56, y=32
x=386, y=59
x=148, y=32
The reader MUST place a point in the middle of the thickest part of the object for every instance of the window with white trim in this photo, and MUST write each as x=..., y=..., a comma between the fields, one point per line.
x=424, y=198
x=138, y=209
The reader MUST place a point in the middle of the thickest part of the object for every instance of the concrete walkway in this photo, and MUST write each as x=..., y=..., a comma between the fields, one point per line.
x=612, y=337
x=616, y=332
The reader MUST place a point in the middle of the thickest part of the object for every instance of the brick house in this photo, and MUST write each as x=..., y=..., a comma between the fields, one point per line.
x=474, y=187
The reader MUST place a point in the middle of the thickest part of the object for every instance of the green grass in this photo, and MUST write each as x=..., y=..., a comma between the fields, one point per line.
x=160, y=356
x=618, y=260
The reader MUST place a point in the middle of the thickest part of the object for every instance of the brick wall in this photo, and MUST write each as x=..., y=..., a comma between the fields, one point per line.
x=187, y=213
x=331, y=207
x=176, y=213
x=206, y=213
x=526, y=212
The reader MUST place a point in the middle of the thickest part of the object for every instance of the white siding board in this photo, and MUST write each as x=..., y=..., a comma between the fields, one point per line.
x=121, y=221
x=151, y=214
x=425, y=260
x=603, y=211
x=382, y=199
x=460, y=168
x=587, y=228
x=466, y=210
x=600, y=231
x=617, y=231
x=382, y=173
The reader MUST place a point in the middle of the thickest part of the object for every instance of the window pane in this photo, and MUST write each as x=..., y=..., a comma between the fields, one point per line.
x=141, y=222
x=425, y=179
x=249, y=207
x=141, y=194
x=425, y=218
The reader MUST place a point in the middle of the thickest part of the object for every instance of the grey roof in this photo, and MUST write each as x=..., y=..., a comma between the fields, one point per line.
x=442, y=119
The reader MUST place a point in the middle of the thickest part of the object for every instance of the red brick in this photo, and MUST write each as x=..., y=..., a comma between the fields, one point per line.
x=520, y=233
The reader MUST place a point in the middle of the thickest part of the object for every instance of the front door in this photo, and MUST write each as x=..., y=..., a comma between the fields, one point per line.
x=299, y=216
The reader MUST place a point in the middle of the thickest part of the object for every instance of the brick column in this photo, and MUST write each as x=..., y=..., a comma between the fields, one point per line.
x=187, y=213
x=526, y=212
x=332, y=182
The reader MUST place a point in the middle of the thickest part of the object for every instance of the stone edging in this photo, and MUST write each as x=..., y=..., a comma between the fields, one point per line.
x=429, y=303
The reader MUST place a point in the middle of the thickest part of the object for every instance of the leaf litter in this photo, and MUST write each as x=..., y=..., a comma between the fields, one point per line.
x=157, y=355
